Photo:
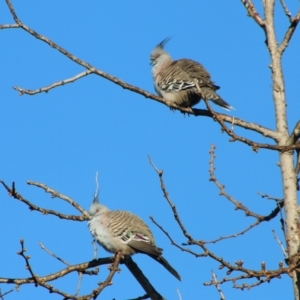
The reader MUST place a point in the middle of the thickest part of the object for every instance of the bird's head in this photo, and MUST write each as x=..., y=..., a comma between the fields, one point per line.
x=158, y=54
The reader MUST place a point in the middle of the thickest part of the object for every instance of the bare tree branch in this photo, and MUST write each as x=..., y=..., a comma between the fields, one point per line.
x=46, y=89
x=270, y=197
x=6, y=293
x=143, y=281
x=255, y=146
x=262, y=276
x=54, y=255
x=59, y=195
x=166, y=195
x=257, y=222
x=9, y=26
x=253, y=13
x=214, y=279
x=12, y=192
x=286, y=11
x=280, y=244
x=61, y=273
x=238, y=205
x=289, y=33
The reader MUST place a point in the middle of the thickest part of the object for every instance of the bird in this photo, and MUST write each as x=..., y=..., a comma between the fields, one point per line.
x=122, y=232
x=184, y=82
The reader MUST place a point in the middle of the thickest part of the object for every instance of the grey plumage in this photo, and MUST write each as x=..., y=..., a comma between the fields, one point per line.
x=184, y=82
x=121, y=231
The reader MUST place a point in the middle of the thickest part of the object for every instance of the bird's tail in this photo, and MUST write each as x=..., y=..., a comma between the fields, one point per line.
x=164, y=263
x=219, y=101
x=209, y=94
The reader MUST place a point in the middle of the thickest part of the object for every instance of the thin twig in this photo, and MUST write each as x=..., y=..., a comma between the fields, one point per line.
x=9, y=26
x=286, y=11
x=79, y=283
x=270, y=197
x=55, y=194
x=166, y=195
x=257, y=222
x=54, y=255
x=61, y=273
x=28, y=266
x=238, y=205
x=280, y=244
x=179, y=294
x=46, y=89
x=12, y=192
x=215, y=280
x=289, y=33
x=253, y=13
x=6, y=293
x=262, y=275
x=234, y=137
x=175, y=244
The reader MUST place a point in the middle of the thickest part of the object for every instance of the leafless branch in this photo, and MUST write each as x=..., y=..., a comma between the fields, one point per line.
x=257, y=222
x=46, y=89
x=6, y=293
x=280, y=244
x=166, y=195
x=253, y=13
x=243, y=285
x=214, y=279
x=80, y=268
x=55, y=194
x=175, y=244
x=270, y=197
x=238, y=205
x=234, y=137
x=286, y=11
x=9, y=26
x=113, y=269
x=79, y=283
x=142, y=280
x=54, y=255
x=179, y=294
x=61, y=273
x=12, y=192
x=262, y=276
x=289, y=33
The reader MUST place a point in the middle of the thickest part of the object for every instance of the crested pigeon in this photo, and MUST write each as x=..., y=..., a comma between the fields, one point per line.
x=184, y=82
x=122, y=231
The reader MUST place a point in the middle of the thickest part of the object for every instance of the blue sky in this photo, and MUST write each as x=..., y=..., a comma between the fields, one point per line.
x=63, y=137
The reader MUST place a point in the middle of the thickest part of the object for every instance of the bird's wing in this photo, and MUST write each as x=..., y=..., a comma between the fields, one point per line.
x=173, y=79
x=195, y=71
x=131, y=230
x=140, y=244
